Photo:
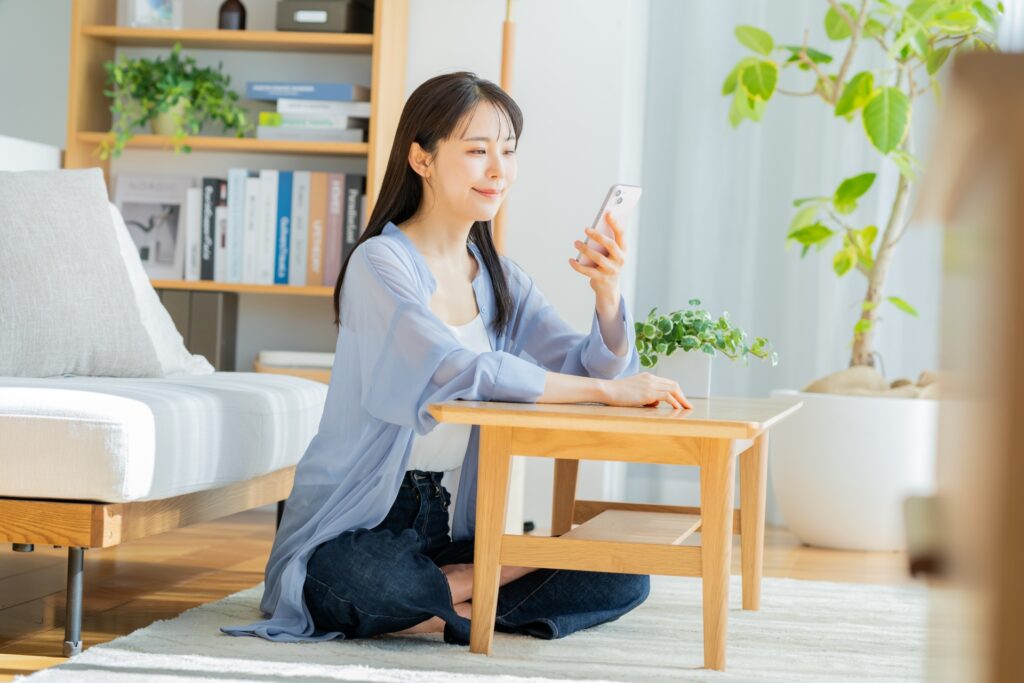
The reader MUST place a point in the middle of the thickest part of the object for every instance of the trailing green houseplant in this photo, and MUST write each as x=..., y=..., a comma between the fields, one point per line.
x=141, y=90
x=916, y=38
x=696, y=330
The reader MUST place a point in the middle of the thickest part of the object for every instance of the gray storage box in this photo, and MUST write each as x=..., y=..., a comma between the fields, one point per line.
x=331, y=16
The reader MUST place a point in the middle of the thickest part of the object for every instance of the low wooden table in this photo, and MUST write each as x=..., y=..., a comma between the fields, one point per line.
x=625, y=537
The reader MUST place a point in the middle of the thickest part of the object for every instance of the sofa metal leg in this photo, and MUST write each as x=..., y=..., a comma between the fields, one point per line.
x=280, y=513
x=73, y=611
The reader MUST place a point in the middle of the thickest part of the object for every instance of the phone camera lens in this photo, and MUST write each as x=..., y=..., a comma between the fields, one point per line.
x=619, y=200
x=618, y=192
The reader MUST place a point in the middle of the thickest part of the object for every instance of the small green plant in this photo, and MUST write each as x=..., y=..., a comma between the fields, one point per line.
x=140, y=89
x=693, y=330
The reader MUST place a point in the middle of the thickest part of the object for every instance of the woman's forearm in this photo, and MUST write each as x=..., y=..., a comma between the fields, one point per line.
x=560, y=388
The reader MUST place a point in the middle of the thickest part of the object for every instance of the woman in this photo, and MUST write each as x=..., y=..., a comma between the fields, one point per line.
x=429, y=312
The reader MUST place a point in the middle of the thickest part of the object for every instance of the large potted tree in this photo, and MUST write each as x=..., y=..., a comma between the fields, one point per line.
x=843, y=465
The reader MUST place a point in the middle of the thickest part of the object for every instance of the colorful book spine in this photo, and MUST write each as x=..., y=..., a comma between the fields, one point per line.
x=193, y=232
x=208, y=241
x=236, y=224
x=338, y=92
x=317, y=226
x=359, y=111
x=335, y=225
x=353, y=212
x=268, y=225
x=284, y=217
x=250, y=243
x=300, y=229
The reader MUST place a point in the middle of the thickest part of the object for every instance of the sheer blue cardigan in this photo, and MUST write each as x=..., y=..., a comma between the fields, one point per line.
x=394, y=357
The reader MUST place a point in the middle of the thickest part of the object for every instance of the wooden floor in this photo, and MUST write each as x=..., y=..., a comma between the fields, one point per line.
x=135, y=584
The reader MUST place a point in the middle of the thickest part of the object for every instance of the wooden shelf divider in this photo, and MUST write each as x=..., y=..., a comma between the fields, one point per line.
x=287, y=41
x=211, y=143
x=211, y=286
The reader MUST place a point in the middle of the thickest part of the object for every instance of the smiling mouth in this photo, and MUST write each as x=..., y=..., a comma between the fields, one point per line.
x=488, y=194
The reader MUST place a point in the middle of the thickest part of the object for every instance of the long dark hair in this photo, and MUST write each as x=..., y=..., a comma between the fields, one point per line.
x=431, y=115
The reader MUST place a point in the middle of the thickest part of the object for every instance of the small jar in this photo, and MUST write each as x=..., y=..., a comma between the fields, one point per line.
x=231, y=16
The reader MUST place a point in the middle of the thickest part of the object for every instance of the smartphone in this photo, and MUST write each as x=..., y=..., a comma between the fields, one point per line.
x=620, y=201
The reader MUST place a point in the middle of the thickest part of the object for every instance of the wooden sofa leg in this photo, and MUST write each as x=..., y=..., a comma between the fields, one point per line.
x=73, y=607
x=280, y=514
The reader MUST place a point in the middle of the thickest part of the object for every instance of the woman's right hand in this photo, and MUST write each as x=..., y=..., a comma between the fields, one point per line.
x=645, y=389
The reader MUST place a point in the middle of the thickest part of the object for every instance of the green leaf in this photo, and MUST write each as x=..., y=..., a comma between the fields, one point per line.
x=803, y=200
x=906, y=163
x=740, y=108
x=808, y=235
x=862, y=326
x=759, y=80
x=729, y=85
x=886, y=119
x=805, y=216
x=844, y=260
x=936, y=59
x=850, y=190
x=836, y=27
x=816, y=56
x=856, y=93
x=956, y=21
x=874, y=29
x=756, y=39
x=902, y=305
x=985, y=13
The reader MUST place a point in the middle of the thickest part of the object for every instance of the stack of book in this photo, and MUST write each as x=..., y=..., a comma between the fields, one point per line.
x=255, y=227
x=321, y=112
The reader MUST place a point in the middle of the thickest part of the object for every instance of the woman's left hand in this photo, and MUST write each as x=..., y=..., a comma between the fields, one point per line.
x=604, y=277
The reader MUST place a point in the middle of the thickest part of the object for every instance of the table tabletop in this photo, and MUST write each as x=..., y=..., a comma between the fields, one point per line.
x=734, y=418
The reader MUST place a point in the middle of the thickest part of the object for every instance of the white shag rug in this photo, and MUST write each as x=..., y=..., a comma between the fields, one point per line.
x=806, y=631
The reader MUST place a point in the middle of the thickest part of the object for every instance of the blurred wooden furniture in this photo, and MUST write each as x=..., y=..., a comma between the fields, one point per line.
x=625, y=537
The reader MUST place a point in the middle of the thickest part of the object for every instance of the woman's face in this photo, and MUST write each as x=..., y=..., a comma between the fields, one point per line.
x=473, y=170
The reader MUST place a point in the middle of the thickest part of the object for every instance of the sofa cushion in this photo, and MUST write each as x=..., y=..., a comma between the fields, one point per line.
x=66, y=303
x=118, y=440
x=175, y=360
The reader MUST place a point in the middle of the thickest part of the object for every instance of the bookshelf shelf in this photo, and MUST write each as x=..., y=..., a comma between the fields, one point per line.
x=209, y=286
x=235, y=144
x=283, y=41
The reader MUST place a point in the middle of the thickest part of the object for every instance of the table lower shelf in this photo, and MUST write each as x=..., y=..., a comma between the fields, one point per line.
x=618, y=541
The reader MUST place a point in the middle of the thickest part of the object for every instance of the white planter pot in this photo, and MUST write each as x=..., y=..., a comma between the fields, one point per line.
x=841, y=467
x=691, y=369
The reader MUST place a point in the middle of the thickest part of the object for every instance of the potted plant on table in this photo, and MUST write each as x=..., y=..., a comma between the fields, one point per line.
x=843, y=465
x=698, y=337
x=175, y=96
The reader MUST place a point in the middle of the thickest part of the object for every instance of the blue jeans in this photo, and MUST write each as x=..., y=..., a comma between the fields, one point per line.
x=367, y=582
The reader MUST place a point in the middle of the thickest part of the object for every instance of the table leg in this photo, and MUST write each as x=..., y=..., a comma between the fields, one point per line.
x=564, y=496
x=717, y=480
x=753, y=493
x=491, y=496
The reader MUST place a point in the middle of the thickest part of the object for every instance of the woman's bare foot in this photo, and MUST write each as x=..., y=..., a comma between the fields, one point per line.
x=436, y=624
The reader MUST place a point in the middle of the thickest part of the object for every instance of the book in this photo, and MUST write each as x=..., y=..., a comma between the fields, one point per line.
x=236, y=224
x=273, y=90
x=212, y=197
x=220, y=261
x=335, y=224
x=267, y=217
x=311, y=134
x=299, y=228
x=193, y=231
x=290, y=107
x=153, y=208
x=317, y=226
x=250, y=243
x=273, y=119
x=353, y=212
x=284, y=217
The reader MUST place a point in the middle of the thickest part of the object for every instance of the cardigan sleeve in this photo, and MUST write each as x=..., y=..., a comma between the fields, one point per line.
x=408, y=356
x=543, y=335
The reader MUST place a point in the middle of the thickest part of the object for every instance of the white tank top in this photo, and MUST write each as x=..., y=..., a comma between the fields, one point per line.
x=443, y=448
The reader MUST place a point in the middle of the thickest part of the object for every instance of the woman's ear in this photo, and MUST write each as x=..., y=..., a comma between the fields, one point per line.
x=419, y=160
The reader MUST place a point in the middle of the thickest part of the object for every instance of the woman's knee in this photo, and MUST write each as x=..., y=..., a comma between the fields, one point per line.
x=630, y=590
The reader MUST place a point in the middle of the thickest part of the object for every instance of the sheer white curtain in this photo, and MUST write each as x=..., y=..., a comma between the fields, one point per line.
x=718, y=201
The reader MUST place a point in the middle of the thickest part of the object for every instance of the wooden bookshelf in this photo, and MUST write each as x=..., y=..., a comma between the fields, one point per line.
x=95, y=36
x=211, y=143
x=277, y=41
x=210, y=286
